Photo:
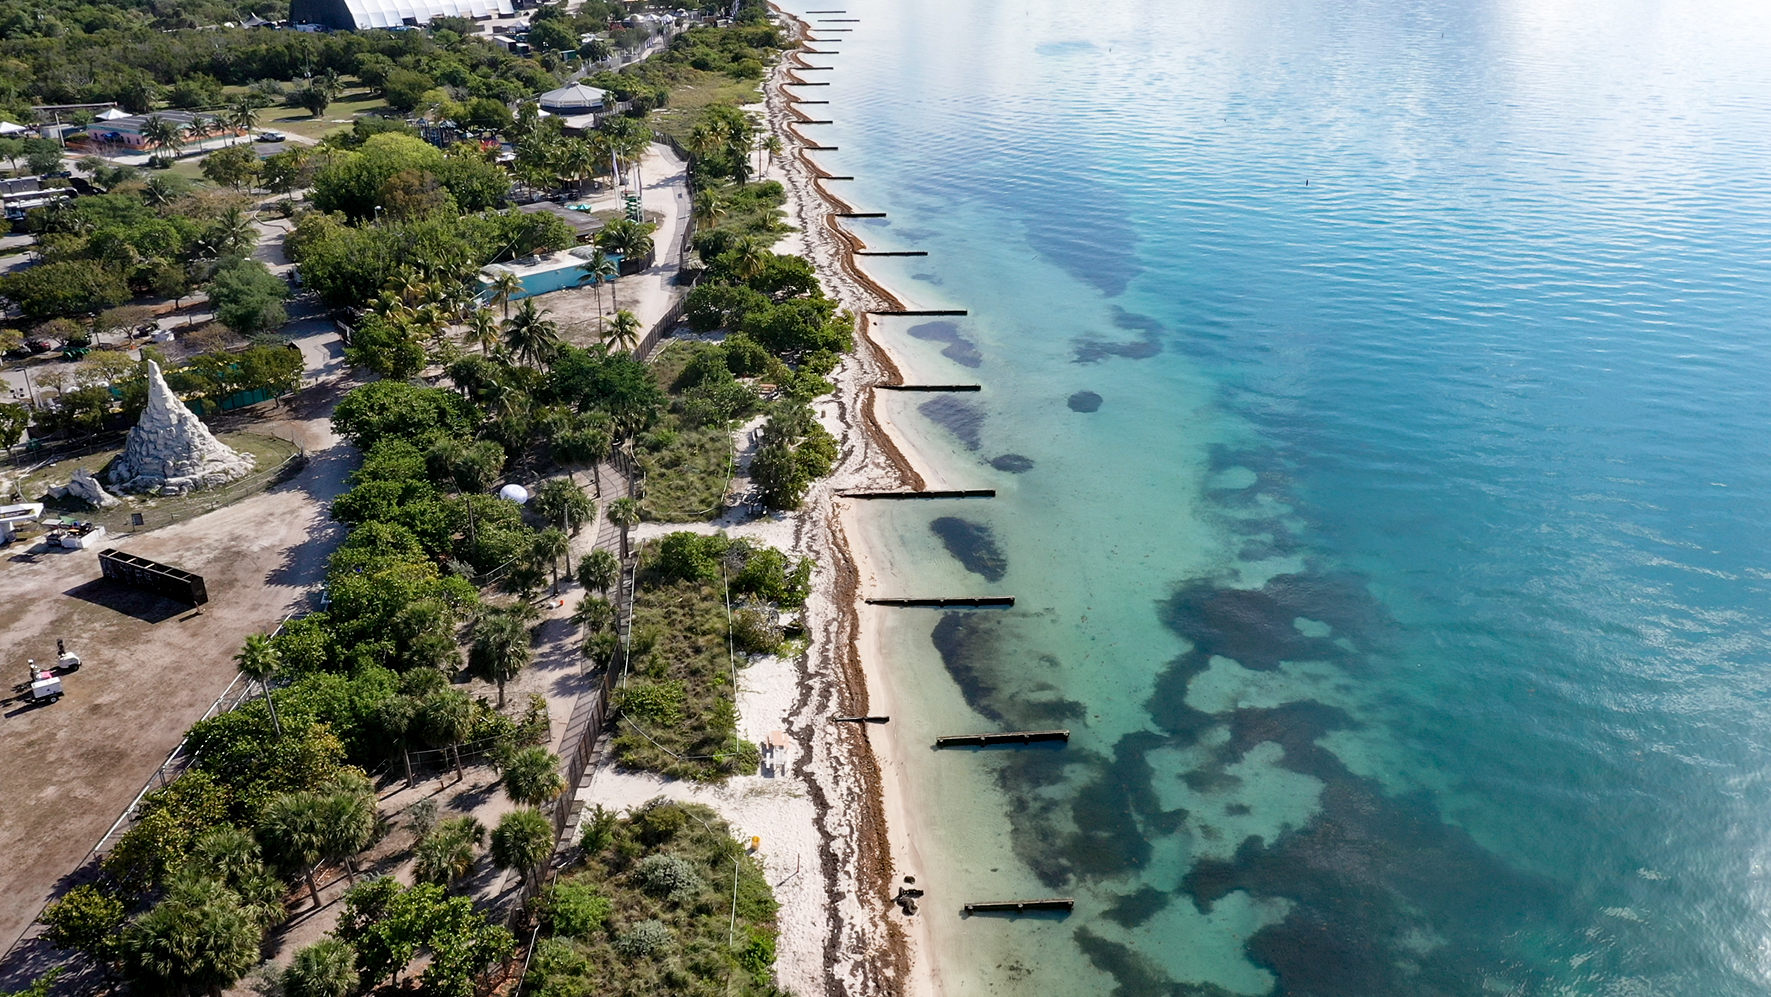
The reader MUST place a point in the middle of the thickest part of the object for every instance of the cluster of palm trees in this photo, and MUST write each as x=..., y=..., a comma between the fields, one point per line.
x=730, y=135
x=309, y=827
x=169, y=135
x=545, y=158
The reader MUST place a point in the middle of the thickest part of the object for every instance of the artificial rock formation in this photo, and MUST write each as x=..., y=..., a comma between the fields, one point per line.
x=171, y=450
x=85, y=486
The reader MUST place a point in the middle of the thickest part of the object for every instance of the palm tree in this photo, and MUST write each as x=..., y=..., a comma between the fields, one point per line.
x=530, y=336
x=624, y=332
x=500, y=649
x=349, y=819
x=532, y=777
x=243, y=114
x=258, y=661
x=293, y=828
x=550, y=545
x=482, y=331
x=523, y=841
x=200, y=128
x=233, y=233
x=709, y=207
x=598, y=569
x=578, y=159
x=562, y=503
x=600, y=268
x=771, y=148
x=624, y=513
x=750, y=257
x=446, y=853
x=162, y=133
x=446, y=719
x=327, y=968
x=505, y=287
x=594, y=613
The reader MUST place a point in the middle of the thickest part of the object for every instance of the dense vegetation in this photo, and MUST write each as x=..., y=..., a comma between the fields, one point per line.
x=703, y=604
x=394, y=235
x=662, y=902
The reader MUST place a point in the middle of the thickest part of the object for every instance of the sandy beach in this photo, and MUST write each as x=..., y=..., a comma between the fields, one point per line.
x=825, y=810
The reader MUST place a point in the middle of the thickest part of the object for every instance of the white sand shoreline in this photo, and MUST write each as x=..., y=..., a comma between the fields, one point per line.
x=823, y=820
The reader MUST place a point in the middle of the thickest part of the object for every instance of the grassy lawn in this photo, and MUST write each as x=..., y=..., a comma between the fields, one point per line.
x=338, y=116
x=661, y=902
x=697, y=90
x=190, y=169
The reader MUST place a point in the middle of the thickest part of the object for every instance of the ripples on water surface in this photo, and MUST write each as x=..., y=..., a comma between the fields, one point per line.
x=1430, y=342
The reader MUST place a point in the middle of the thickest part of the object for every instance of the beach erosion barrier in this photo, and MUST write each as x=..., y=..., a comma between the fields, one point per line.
x=1020, y=906
x=1002, y=737
x=929, y=387
x=957, y=493
x=978, y=602
x=923, y=313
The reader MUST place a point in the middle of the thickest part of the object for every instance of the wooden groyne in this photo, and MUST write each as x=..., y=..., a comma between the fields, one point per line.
x=930, y=387
x=924, y=313
x=929, y=493
x=860, y=720
x=859, y=214
x=1020, y=906
x=895, y=252
x=976, y=602
x=1005, y=737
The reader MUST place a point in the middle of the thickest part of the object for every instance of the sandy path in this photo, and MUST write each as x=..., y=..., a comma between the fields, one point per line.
x=152, y=667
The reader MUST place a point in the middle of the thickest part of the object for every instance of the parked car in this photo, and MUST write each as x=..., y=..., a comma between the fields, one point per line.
x=270, y=136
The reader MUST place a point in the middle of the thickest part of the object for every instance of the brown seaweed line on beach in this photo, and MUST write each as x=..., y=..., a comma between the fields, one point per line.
x=883, y=969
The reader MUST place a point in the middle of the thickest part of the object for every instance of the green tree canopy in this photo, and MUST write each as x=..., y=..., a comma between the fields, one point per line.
x=248, y=298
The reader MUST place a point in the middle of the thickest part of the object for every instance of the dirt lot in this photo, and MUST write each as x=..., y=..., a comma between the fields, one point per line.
x=151, y=665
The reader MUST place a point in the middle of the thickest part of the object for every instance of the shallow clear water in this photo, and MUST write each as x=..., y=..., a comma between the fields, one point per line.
x=1407, y=587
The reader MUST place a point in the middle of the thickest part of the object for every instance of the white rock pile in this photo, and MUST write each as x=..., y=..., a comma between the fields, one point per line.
x=85, y=486
x=171, y=451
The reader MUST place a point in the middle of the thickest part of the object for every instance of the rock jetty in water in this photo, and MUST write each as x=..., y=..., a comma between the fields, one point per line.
x=171, y=451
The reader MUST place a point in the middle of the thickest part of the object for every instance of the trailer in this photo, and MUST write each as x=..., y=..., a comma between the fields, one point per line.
x=160, y=579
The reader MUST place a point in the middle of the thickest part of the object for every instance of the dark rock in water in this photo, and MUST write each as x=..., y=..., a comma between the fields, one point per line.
x=929, y=277
x=959, y=349
x=1095, y=350
x=974, y=546
x=1143, y=348
x=961, y=418
x=1132, y=320
x=1134, y=909
x=1085, y=401
x=1013, y=463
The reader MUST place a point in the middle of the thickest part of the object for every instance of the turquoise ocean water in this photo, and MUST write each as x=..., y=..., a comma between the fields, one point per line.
x=1377, y=396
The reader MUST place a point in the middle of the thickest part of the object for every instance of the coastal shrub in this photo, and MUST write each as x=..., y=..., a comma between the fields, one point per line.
x=643, y=940
x=653, y=704
x=696, y=947
x=658, y=822
x=597, y=828
x=773, y=576
x=691, y=556
x=575, y=909
x=85, y=920
x=671, y=877
x=753, y=633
